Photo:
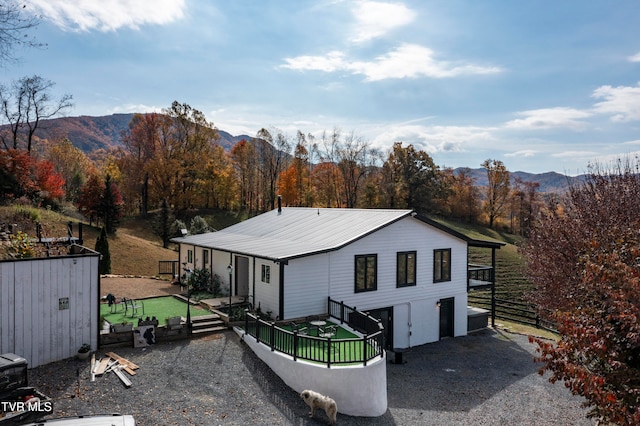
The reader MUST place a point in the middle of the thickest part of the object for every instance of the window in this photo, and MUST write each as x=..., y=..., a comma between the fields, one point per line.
x=406, y=269
x=266, y=273
x=441, y=265
x=366, y=272
x=205, y=256
x=189, y=256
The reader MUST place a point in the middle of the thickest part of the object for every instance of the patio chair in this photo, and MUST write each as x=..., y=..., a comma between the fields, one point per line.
x=328, y=331
x=298, y=328
x=134, y=306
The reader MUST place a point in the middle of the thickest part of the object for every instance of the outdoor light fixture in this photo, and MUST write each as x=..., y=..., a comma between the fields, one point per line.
x=230, y=270
x=438, y=304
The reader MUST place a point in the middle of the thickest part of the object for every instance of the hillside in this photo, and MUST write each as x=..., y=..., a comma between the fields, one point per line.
x=550, y=182
x=93, y=133
x=134, y=249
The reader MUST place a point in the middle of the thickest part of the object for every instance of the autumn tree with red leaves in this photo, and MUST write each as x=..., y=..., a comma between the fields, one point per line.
x=584, y=261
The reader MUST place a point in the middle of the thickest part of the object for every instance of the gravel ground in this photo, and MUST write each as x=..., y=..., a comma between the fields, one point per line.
x=487, y=378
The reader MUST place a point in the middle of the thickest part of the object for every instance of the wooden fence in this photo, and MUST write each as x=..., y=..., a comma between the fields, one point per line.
x=522, y=313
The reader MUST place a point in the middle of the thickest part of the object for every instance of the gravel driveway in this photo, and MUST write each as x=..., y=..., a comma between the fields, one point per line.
x=487, y=378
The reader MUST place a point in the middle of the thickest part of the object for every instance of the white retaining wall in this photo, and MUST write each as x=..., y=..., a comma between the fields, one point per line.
x=358, y=390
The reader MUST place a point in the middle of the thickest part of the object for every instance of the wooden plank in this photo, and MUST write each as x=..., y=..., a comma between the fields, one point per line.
x=122, y=377
x=123, y=361
x=93, y=367
x=130, y=371
x=102, y=366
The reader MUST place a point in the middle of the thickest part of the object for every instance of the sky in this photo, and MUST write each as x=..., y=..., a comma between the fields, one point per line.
x=541, y=86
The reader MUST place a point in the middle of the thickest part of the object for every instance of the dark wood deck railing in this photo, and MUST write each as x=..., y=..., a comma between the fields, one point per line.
x=329, y=351
x=480, y=273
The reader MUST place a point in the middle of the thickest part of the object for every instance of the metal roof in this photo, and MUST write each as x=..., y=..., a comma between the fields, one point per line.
x=296, y=231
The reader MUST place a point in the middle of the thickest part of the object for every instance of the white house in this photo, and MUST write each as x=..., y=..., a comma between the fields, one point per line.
x=405, y=269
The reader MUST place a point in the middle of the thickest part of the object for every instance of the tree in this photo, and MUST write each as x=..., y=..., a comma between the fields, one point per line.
x=498, y=188
x=111, y=205
x=15, y=23
x=90, y=198
x=24, y=105
x=71, y=163
x=162, y=225
x=102, y=247
x=199, y=226
x=464, y=201
x=583, y=262
x=411, y=180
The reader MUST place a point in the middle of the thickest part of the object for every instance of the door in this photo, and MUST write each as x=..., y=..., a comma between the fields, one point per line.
x=385, y=315
x=447, y=317
x=242, y=276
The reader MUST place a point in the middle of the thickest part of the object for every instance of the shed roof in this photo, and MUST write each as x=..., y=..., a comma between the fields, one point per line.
x=298, y=231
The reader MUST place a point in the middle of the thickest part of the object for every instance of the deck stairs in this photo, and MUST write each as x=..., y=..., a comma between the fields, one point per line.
x=205, y=324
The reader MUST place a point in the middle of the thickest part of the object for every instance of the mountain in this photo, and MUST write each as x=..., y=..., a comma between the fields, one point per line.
x=550, y=182
x=93, y=133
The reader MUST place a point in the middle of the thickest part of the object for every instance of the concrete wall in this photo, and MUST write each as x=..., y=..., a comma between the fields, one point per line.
x=358, y=390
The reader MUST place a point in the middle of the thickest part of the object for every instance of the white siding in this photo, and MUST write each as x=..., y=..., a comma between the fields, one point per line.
x=268, y=294
x=416, y=317
x=220, y=260
x=31, y=323
x=306, y=286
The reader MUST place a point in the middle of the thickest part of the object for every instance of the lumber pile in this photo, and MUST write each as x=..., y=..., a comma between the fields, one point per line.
x=113, y=362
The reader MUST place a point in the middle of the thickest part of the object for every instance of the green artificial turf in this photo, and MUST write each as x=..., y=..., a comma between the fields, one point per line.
x=160, y=307
x=346, y=352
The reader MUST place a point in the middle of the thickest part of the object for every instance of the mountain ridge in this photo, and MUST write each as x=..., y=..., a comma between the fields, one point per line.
x=91, y=133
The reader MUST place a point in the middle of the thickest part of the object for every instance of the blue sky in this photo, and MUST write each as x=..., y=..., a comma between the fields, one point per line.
x=542, y=86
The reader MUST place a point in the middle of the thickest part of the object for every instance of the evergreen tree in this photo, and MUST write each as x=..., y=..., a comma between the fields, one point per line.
x=162, y=225
x=111, y=205
x=102, y=247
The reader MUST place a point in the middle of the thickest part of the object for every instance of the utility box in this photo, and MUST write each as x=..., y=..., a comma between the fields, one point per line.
x=19, y=402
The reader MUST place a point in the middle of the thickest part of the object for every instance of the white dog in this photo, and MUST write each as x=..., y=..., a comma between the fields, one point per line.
x=315, y=400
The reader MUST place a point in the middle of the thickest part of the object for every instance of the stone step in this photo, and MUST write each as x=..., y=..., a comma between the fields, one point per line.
x=205, y=324
x=207, y=330
x=201, y=318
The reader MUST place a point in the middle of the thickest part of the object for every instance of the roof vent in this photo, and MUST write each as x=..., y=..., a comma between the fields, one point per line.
x=279, y=204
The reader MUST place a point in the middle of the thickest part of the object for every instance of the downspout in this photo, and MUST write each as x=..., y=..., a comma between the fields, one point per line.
x=410, y=324
x=493, y=287
x=281, y=297
x=253, y=284
x=98, y=301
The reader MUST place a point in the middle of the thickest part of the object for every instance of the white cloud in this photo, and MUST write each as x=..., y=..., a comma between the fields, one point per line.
x=133, y=108
x=109, y=15
x=575, y=154
x=547, y=118
x=375, y=19
x=622, y=102
x=522, y=153
x=407, y=61
x=434, y=139
x=333, y=61
x=634, y=58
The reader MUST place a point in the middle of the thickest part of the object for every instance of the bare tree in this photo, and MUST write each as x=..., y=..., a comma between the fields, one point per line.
x=498, y=189
x=15, y=23
x=25, y=105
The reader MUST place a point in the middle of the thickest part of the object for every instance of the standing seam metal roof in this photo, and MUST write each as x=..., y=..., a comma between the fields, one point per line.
x=296, y=232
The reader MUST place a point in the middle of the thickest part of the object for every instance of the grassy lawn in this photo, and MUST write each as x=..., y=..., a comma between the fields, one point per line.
x=160, y=307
